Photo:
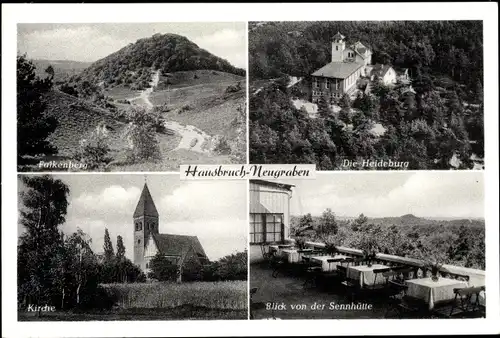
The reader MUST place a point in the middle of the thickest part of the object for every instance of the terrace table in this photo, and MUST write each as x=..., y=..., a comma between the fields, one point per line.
x=293, y=255
x=432, y=292
x=278, y=248
x=365, y=274
x=323, y=260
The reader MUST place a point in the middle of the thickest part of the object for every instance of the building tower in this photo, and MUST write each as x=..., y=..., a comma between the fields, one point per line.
x=146, y=222
x=338, y=46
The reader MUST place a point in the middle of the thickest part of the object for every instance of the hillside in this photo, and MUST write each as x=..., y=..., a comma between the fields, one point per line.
x=131, y=66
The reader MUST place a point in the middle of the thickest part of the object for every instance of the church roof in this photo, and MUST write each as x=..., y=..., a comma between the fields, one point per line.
x=145, y=206
x=178, y=245
x=338, y=70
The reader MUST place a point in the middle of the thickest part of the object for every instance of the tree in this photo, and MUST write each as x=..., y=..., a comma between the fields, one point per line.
x=327, y=223
x=109, y=253
x=34, y=126
x=45, y=204
x=120, y=248
x=162, y=269
x=141, y=135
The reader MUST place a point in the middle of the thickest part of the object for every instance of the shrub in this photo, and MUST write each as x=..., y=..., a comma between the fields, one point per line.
x=233, y=89
x=222, y=146
x=141, y=135
x=68, y=89
x=94, y=150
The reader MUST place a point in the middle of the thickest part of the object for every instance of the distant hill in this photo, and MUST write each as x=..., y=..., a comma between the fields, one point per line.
x=411, y=220
x=132, y=65
x=63, y=69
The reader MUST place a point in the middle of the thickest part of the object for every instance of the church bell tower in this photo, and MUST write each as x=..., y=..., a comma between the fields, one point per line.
x=338, y=46
x=145, y=223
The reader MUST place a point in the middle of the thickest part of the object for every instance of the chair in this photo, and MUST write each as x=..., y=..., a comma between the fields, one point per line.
x=411, y=305
x=377, y=273
x=277, y=264
x=255, y=305
x=349, y=284
x=395, y=291
x=466, y=303
x=311, y=271
x=266, y=254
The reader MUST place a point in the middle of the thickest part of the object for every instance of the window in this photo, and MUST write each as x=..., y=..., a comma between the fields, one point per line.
x=266, y=228
x=147, y=265
x=139, y=241
x=336, y=84
x=327, y=83
x=138, y=226
x=316, y=84
x=336, y=48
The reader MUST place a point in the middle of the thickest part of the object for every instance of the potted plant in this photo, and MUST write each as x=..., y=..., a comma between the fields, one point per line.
x=331, y=247
x=369, y=255
x=300, y=243
x=434, y=267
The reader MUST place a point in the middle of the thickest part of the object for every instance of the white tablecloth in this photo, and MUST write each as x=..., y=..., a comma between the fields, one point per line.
x=323, y=260
x=365, y=274
x=292, y=255
x=433, y=291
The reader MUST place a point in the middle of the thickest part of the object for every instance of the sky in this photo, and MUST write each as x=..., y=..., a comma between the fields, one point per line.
x=429, y=194
x=91, y=42
x=215, y=211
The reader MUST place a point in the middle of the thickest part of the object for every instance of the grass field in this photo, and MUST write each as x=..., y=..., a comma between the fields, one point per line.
x=228, y=295
x=163, y=301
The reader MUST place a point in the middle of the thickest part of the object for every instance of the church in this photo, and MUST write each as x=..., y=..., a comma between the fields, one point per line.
x=339, y=77
x=179, y=249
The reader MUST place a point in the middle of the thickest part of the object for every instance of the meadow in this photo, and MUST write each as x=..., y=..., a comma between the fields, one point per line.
x=162, y=301
x=230, y=295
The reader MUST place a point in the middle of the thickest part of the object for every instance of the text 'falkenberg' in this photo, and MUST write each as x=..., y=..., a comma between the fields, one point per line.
x=244, y=171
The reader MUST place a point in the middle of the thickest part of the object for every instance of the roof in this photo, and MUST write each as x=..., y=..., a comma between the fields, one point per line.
x=380, y=70
x=360, y=49
x=273, y=184
x=145, y=206
x=178, y=245
x=338, y=37
x=338, y=70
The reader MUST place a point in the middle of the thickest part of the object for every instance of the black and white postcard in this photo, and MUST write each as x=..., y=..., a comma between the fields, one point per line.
x=239, y=169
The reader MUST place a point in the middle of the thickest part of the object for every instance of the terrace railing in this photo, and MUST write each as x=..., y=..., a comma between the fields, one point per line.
x=475, y=277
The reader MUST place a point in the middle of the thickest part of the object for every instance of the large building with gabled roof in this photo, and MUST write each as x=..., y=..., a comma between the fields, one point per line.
x=339, y=77
x=179, y=249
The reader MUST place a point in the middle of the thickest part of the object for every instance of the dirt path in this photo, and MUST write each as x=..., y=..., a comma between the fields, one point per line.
x=192, y=138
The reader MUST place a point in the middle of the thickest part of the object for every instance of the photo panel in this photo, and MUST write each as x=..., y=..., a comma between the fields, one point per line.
x=130, y=96
x=131, y=247
x=367, y=95
x=400, y=245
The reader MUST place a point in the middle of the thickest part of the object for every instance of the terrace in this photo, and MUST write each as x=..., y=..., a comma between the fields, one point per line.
x=291, y=283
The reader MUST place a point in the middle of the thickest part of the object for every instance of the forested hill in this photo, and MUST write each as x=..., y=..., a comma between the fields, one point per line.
x=454, y=48
x=131, y=66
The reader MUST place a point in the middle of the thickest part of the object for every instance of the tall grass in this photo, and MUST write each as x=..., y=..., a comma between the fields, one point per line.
x=215, y=295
